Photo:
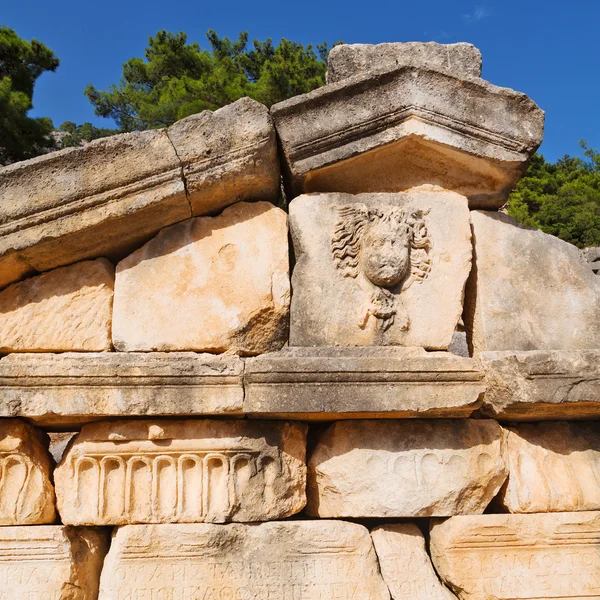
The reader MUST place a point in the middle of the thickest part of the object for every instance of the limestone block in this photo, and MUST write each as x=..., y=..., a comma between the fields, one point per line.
x=311, y=560
x=346, y=60
x=519, y=556
x=182, y=472
x=69, y=389
x=209, y=284
x=406, y=468
x=26, y=493
x=379, y=269
x=526, y=386
x=405, y=565
x=553, y=467
x=388, y=131
x=104, y=199
x=362, y=382
x=67, y=309
x=528, y=290
x=51, y=562
x=228, y=155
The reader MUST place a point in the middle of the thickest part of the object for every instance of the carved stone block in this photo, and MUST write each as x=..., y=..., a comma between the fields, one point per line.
x=553, y=467
x=368, y=382
x=528, y=290
x=529, y=557
x=406, y=468
x=308, y=560
x=69, y=389
x=405, y=565
x=51, y=562
x=209, y=284
x=182, y=472
x=26, y=493
x=527, y=386
x=379, y=269
x=388, y=131
x=67, y=309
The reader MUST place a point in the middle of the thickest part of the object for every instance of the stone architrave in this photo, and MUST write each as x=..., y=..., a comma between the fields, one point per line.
x=362, y=382
x=388, y=131
x=553, y=467
x=528, y=290
x=209, y=284
x=122, y=472
x=66, y=390
x=346, y=60
x=67, y=309
x=410, y=468
x=312, y=560
x=405, y=565
x=537, y=385
x=228, y=156
x=529, y=557
x=592, y=256
x=26, y=492
x=51, y=562
x=379, y=269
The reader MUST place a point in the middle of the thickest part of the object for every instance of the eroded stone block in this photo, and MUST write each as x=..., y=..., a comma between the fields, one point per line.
x=406, y=468
x=26, y=493
x=379, y=269
x=393, y=130
x=209, y=284
x=405, y=565
x=312, y=560
x=67, y=309
x=368, y=382
x=51, y=562
x=182, y=471
x=65, y=390
x=528, y=290
x=519, y=556
x=553, y=467
x=228, y=155
x=526, y=386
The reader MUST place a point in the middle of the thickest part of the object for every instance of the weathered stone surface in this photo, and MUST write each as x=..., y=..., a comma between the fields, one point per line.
x=525, y=386
x=209, y=284
x=182, y=471
x=519, y=556
x=406, y=468
x=67, y=309
x=228, y=155
x=104, y=199
x=379, y=269
x=51, y=562
x=368, y=382
x=393, y=130
x=528, y=290
x=405, y=565
x=26, y=494
x=592, y=256
x=553, y=467
x=65, y=390
x=312, y=560
x=346, y=60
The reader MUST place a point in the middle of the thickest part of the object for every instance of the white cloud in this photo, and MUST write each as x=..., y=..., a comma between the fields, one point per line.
x=477, y=14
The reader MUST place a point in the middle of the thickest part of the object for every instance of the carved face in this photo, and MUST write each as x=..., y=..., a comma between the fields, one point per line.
x=385, y=255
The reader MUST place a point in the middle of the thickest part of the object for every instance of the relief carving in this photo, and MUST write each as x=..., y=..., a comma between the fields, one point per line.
x=385, y=250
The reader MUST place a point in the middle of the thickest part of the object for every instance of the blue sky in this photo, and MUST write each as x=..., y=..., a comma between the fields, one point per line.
x=549, y=50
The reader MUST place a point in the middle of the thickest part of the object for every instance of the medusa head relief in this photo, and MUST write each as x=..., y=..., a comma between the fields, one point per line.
x=386, y=250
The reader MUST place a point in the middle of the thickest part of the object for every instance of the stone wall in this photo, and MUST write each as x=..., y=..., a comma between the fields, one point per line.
x=231, y=364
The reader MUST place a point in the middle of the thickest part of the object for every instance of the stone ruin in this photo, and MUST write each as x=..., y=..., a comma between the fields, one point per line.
x=261, y=403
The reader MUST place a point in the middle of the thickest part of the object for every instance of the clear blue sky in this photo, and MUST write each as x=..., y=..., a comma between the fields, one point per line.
x=547, y=49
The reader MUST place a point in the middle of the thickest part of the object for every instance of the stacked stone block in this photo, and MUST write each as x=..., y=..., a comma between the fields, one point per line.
x=246, y=404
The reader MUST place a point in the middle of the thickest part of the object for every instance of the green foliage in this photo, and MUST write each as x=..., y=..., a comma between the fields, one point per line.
x=176, y=78
x=21, y=63
x=76, y=135
x=561, y=198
